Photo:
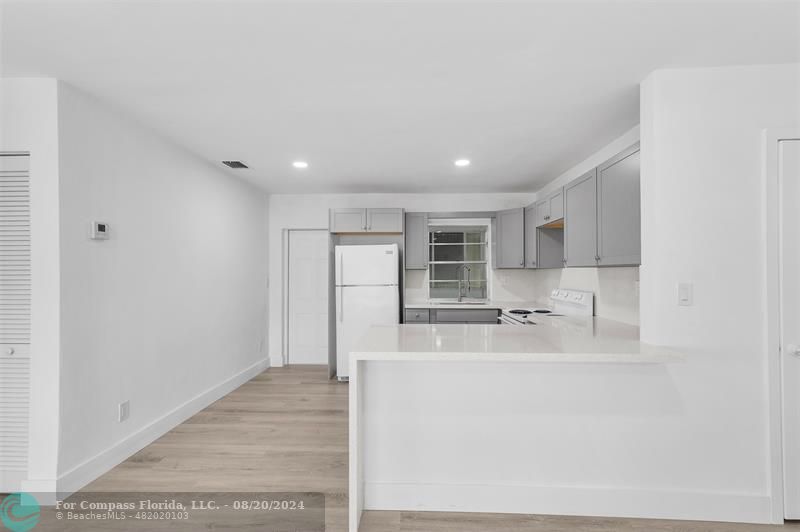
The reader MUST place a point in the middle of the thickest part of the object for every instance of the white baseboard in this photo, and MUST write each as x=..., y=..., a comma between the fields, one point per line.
x=81, y=475
x=44, y=490
x=561, y=500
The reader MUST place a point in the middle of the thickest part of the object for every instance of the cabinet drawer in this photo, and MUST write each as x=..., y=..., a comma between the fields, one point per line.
x=417, y=315
x=482, y=315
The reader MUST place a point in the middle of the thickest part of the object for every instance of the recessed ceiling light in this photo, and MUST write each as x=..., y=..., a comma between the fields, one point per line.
x=461, y=162
x=300, y=164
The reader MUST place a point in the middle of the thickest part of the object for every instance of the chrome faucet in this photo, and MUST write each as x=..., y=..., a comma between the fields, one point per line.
x=465, y=271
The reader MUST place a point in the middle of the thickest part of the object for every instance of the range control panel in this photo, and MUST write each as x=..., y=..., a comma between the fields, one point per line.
x=572, y=302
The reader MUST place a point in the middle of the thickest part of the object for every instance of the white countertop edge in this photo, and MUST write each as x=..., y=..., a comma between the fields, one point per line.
x=499, y=305
x=664, y=357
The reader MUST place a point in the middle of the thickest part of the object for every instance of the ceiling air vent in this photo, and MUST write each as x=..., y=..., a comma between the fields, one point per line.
x=234, y=164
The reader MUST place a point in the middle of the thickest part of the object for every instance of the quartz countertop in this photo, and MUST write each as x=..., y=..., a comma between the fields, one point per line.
x=490, y=304
x=551, y=339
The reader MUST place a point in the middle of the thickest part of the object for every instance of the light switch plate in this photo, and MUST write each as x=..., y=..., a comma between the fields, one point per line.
x=124, y=411
x=685, y=294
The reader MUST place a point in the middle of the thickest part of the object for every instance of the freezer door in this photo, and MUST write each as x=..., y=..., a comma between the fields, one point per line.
x=367, y=265
x=357, y=309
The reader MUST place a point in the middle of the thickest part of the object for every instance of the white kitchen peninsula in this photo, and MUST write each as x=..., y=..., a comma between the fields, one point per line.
x=563, y=417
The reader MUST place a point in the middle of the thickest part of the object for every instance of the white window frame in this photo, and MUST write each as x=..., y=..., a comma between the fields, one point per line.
x=460, y=222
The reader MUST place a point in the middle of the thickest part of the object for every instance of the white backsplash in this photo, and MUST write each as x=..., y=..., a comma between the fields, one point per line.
x=616, y=290
x=507, y=285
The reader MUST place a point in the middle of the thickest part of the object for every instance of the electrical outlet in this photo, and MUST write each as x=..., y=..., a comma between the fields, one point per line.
x=124, y=411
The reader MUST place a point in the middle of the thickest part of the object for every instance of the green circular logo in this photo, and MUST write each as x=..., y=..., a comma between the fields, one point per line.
x=19, y=512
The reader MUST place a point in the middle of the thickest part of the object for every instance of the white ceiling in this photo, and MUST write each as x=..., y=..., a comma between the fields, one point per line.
x=384, y=96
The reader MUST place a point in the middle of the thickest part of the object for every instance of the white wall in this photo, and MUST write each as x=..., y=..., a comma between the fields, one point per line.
x=29, y=123
x=170, y=313
x=616, y=290
x=310, y=211
x=703, y=223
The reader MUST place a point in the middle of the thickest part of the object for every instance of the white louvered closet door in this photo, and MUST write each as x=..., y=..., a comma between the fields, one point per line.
x=15, y=319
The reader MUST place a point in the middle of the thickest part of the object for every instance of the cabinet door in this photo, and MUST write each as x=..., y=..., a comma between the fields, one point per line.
x=417, y=315
x=531, y=242
x=385, y=220
x=556, y=206
x=510, y=246
x=348, y=220
x=416, y=252
x=466, y=316
x=580, y=223
x=618, y=209
x=542, y=212
x=551, y=247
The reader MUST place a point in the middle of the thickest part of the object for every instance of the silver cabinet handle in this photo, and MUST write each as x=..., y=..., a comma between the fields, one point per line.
x=10, y=351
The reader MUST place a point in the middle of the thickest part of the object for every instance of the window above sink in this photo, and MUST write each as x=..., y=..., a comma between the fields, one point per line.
x=459, y=253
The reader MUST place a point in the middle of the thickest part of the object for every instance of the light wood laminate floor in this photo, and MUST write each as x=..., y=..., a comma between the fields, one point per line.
x=286, y=430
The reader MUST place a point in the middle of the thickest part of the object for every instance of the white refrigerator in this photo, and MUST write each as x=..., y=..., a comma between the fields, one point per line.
x=367, y=293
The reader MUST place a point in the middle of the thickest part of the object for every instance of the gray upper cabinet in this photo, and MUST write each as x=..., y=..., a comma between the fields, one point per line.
x=556, y=202
x=385, y=220
x=366, y=221
x=580, y=226
x=542, y=209
x=618, y=210
x=416, y=251
x=551, y=208
x=510, y=239
x=531, y=245
x=348, y=220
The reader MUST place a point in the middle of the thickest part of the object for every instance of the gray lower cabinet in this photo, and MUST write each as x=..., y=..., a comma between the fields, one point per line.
x=417, y=247
x=619, y=241
x=531, y=245
x=417, y=315
x=510, y=239
x=580, y=225
x=466, y=315
x=456, y=315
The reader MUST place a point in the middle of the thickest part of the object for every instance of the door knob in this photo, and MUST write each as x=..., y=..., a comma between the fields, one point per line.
x=793, y=349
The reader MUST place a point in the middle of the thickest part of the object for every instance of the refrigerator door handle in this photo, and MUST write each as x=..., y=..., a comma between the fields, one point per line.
x=341, y=304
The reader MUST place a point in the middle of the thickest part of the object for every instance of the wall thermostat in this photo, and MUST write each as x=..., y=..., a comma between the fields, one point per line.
x=99, y=231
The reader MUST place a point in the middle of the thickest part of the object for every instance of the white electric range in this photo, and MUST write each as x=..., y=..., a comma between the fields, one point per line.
x=563, y=302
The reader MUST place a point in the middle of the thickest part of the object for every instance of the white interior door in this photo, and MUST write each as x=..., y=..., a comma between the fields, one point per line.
x=789, y=183
x=308, y=297
x=15, y=319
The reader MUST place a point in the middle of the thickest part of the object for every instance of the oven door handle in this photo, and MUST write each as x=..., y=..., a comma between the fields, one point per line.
x=505, y=320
